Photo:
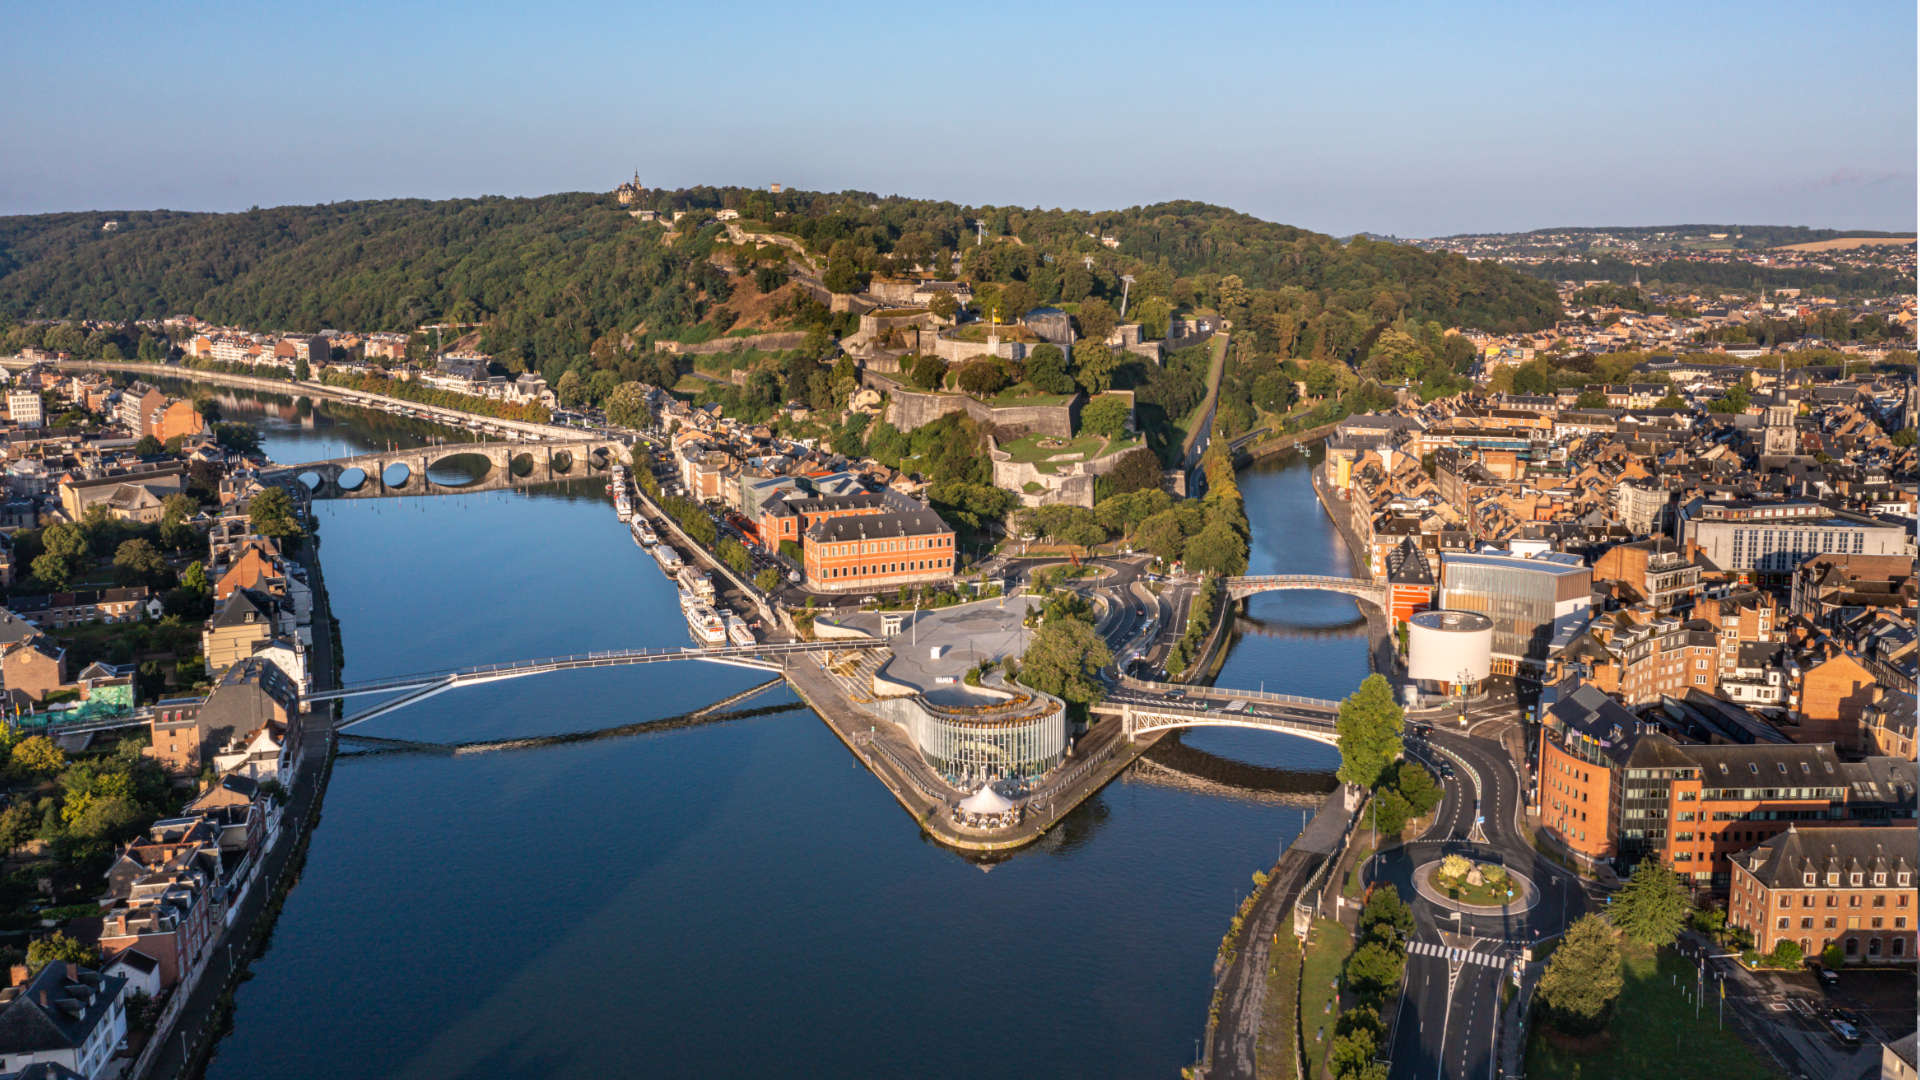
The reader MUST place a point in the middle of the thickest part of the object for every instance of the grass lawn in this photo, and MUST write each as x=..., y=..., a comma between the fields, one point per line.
x=1328, y=944
x=1273, y=1052
x=1362, y=848
x=1026, y=394
x=1653, y=1032
x=976, y=333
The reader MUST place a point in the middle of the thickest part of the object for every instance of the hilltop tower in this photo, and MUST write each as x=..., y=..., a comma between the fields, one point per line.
x=630, y=192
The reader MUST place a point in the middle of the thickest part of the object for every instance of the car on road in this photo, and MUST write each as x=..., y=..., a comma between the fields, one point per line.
x=1422, y=730
x=1848, y=1034
x=1139, y=611
x=1446, y=770
x=1827, y=976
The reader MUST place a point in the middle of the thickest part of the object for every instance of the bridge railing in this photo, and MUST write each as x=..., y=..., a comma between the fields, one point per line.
x=610, y=656
x=1223, y=694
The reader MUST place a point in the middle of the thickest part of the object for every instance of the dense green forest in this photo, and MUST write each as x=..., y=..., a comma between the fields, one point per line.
x=559, y=278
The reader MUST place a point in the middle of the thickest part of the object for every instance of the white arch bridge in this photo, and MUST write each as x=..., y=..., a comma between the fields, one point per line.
x=409, y=689
x=1362, y=589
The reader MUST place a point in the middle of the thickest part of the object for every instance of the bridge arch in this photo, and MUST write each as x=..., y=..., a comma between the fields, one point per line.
x=1362, y=589
x=461, y=468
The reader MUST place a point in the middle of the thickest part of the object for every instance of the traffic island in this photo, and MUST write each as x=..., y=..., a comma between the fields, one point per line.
x=1460, y=884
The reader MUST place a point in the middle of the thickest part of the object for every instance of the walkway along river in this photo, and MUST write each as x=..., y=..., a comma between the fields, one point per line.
x=735, y=899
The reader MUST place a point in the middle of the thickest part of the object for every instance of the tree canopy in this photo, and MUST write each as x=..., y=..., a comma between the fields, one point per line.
x=1369, y=729
x=1583, y=977
x=1653, y=907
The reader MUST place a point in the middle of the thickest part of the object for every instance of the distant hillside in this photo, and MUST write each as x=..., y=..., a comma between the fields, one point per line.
x=554, y=277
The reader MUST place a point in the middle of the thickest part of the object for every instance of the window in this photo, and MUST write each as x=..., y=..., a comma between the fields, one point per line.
x=1784, y=921
x=1806, y=924
x=1830, y=923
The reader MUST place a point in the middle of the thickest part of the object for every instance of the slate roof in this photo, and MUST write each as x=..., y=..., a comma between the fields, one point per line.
x=52, y=1013
x=1786, y=859
x=878, y=527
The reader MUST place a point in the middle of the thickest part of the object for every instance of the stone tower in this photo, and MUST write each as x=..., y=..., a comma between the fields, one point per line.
x=1780, y=439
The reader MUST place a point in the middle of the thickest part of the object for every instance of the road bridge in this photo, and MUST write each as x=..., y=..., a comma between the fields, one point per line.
x=1362, y=589
x=508, y=464
x=410, y=689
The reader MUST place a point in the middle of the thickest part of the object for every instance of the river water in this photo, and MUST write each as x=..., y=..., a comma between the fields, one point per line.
x=739, y=899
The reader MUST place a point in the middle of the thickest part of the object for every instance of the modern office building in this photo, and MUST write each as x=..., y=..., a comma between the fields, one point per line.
x=1771, y=539
x=1535, y=603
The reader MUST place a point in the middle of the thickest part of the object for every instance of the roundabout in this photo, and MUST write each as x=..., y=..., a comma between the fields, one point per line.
x=1503, y=890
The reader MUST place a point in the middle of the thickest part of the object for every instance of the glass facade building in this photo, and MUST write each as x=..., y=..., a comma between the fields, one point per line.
x=1020, y=738
x=1529, y=600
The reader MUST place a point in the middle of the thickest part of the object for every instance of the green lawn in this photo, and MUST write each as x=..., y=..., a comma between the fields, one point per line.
x=976, y=333
x=1026, y=394
x=1327, y=946
x=1485, y=894
x=1273, y=1054
x=1653, y=1032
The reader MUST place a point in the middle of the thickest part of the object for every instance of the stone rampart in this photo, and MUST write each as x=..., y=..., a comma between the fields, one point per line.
x=910, y=409
x=1071, y=482
x=779, y=339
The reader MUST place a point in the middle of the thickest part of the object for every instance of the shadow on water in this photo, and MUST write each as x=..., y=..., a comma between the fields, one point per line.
x=1173, y=753
x=383, y=746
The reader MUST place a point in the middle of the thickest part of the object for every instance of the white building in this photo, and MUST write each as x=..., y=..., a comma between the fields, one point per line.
x=24, y=408
x=66, y=1015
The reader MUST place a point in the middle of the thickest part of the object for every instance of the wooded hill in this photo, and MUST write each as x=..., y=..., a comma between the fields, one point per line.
x=557, y=278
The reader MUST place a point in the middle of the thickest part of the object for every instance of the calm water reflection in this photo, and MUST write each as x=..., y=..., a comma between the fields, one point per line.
x=735, y=900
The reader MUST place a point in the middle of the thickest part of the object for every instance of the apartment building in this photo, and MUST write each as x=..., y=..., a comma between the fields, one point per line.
x=1817, y=887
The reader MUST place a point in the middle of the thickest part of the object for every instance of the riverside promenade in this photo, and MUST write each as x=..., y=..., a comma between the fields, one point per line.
x=1099, y=756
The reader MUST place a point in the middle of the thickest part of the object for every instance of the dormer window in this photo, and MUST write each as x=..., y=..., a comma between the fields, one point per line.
x=1880, y=878
x=1833, y=880
x=1854, y=880
x=1809, y=881
x=1905, y=879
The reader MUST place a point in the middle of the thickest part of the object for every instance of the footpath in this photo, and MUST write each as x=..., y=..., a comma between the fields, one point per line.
x=1233, y=1029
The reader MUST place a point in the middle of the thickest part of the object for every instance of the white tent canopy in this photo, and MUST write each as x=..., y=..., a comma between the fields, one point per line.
x=986, y=801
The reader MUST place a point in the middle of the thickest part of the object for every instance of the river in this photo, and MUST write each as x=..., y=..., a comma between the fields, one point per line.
x=740, y=899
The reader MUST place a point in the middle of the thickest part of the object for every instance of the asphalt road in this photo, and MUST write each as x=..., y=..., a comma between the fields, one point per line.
x=1447, y=1020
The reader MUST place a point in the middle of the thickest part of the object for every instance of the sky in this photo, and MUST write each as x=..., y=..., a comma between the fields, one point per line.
x=1400, y=118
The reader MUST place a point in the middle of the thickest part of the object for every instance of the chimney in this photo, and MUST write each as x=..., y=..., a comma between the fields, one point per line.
x=17, y=975
x=73, y=972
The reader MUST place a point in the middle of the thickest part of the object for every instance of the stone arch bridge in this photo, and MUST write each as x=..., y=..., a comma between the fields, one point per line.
x=1361, y=589
x=508, y=465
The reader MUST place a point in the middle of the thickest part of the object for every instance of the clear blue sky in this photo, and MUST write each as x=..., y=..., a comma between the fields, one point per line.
x=1413, y=119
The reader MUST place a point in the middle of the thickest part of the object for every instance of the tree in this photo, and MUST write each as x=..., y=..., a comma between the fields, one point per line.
x=1096, y=319
x=1016, y=299
x=1733, y=402
x=571, y=389
x=1216, y=549
x=627, y=406
x=1162, y=534
x=1653, y=907
x=1786, y=953
x=1369, y=728
x=1833, y=956
x=983, y=377
x=1386, y=916
x=1047, y=369
x=270, y=513
x=1273, y=392
x=57, y=947
x=943, y=306
x=1583, y=977
x=1591, y=399
x=1105, y=415
x=1417, y=786
x=1671, y=401
x=842, y=276
x=767, y=580
x=1390, y=811
x=1093, y=366
x=38, y=756
x=138, y=561
x=65, y=540
x=928, y=372
x=195, y=577
x=1138, y=470
x=302, y=371
x=1064, y=659
x=1373, y=970
x=148, y=446
x=52, y=571
x=734, y=554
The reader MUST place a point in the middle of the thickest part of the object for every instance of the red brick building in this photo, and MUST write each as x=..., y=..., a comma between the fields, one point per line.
x=883, y=550
x=1817, y=887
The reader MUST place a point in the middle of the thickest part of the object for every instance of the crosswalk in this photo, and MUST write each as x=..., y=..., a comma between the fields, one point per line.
x=1454, y=955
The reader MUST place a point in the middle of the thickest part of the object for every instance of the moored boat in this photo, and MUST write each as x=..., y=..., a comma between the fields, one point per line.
x=668, y=559
x=706, y=626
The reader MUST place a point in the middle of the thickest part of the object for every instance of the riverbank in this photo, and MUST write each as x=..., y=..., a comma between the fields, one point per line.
x=310, y=389
x=184, y=1041
x=1100, y=755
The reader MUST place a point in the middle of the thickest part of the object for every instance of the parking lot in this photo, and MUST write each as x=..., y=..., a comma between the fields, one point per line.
x=1795, y=1016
